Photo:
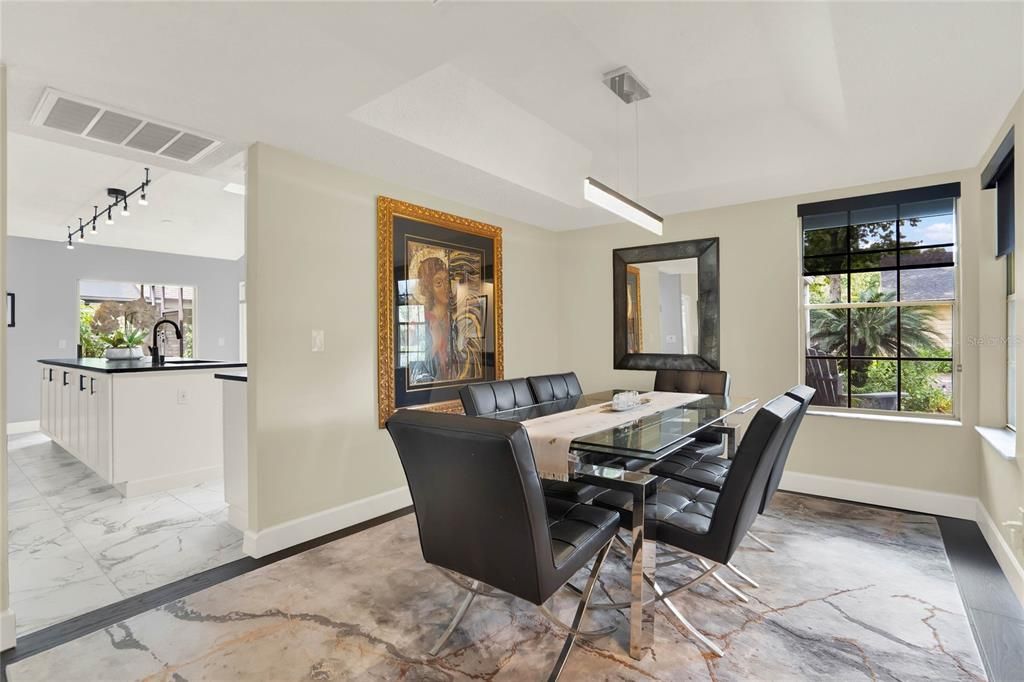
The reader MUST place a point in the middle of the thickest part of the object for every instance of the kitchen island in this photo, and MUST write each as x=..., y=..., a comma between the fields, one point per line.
x=141, y=427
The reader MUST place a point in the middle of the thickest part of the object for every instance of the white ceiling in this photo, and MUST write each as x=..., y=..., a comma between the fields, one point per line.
x=501, y=105
x=50, y=185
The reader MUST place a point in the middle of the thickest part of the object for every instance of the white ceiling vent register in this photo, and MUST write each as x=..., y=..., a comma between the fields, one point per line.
x=95, y=121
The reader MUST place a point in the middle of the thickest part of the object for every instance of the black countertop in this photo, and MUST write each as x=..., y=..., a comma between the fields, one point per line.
x=232, y=376
x=143, y=365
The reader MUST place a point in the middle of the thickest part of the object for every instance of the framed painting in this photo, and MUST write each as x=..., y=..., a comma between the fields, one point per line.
x=634, y=311
x=439, y=323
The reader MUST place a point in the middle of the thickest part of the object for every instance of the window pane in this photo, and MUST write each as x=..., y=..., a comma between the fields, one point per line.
x=824, y=265
x=927, y=284
x=873, y=287
x=926, y=331
x=873, y=384
x=824, y=241
x=926, y=386
x=928, y=222
x=873, y=332
x=827, y=376
x=935, y=255
x=827, y=331
x=873, y=261
x=825, y=289
x=873, y=228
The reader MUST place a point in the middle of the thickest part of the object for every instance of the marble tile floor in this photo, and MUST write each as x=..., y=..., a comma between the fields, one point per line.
x=853, y=593
x=77, y=545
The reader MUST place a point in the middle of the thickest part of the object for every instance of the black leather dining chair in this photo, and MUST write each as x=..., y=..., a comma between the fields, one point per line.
x=483, y=518
x=496, y=396
x=709, y=524
x=711, y=472
x=508, y=394
x=548, y=387
x=706, y=443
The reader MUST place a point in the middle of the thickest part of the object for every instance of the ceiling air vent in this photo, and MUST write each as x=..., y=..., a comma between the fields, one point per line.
x=70, y=116
x=152, y=137
x=85, y=118
x=113, y=127
x=186, y=147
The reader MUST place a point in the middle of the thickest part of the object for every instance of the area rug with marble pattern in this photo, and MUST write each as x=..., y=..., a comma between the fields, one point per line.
x=852, y=592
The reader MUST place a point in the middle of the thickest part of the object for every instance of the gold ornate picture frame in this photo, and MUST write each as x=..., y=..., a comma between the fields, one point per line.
x=439, y=307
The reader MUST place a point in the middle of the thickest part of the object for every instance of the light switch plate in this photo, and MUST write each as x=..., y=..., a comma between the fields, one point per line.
x=220, y=341
x=62, y=344
x=318, y=340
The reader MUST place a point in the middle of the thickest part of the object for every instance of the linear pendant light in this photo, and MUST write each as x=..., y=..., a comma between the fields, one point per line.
x=624, y=207
x=630, y=90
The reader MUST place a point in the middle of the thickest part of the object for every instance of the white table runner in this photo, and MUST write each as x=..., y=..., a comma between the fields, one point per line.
x=552, y=435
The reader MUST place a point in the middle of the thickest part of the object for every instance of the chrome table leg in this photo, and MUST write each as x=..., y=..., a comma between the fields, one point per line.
x=637, y=616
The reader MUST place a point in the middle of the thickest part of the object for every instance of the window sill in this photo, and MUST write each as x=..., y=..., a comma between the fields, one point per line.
x=936, y=421
x=1002, y=440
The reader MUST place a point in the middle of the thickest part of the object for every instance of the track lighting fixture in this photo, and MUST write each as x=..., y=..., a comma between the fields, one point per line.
x=119, y=200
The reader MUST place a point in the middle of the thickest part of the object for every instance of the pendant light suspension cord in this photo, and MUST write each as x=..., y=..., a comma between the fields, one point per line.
x=636, y=118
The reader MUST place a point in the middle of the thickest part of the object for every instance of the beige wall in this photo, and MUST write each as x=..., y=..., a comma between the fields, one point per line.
x=1001, y=481
x=311, y=264
x=761, y=347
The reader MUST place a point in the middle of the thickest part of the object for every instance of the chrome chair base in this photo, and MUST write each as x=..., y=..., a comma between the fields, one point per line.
x=475, y=588
x=760, y=541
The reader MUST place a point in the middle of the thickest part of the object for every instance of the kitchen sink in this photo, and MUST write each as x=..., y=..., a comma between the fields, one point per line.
x=187, y=361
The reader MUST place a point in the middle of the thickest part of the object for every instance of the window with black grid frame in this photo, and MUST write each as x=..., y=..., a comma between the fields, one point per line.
x=879, y=300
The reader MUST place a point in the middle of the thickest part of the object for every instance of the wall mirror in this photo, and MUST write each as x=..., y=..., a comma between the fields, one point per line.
x=665, y=299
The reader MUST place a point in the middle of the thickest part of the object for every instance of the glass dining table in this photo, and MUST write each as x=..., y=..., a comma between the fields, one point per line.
x=642, y=441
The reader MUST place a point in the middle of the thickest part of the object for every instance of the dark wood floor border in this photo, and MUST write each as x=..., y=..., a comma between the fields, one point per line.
x=105, y=616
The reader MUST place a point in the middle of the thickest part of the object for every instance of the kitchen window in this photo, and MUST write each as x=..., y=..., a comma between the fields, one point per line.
x=879, y=301
x=107, y=307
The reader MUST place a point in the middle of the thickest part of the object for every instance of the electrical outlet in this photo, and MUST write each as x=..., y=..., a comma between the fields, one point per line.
x=182, y=396
x=220, y=341
x=318, y=340
x=62, y=344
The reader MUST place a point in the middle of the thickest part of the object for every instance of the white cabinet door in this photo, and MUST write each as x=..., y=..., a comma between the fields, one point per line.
x=99, y=417
x=83, y=416
x=72, y=432
x=64, y=409
x=44, y=401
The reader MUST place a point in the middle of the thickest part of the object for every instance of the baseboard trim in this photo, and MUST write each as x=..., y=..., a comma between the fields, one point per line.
x=14, y=428
x=1005, y=556
x=159, y=484
x=275, y=538
x=897, y=497
x=8, y=629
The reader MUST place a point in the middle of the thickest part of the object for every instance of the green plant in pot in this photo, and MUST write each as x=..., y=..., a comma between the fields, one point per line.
x=124, y=344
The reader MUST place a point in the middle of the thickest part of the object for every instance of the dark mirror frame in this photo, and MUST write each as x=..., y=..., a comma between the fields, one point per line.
x=706, y=253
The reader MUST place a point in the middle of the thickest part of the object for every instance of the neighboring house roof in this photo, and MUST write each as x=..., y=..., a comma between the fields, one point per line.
x=932, y=284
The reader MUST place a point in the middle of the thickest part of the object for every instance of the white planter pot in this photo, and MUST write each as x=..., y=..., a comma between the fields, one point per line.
x=123, y=353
